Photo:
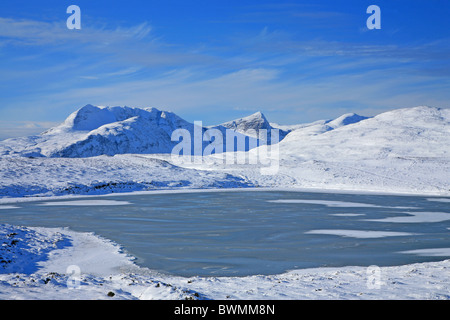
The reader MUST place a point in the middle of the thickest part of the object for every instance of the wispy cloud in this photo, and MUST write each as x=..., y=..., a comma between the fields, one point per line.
x=32, y=32
x=276, y=41
x=267, y=90
x=117, y=73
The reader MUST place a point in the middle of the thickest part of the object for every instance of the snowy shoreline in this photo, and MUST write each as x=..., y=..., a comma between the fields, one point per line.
x=11, y=200
x=41, y=263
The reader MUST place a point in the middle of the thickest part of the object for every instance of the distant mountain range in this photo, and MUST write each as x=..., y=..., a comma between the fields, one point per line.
x=99, y=150
x=95, y=130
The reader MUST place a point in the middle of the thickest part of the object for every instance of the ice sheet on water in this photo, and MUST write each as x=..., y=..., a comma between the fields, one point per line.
x=338, y=204
x=347, y=214
x=86, y=203
x=360, y=233
x=434, y=252
x=416, y=217
x=439, y=199
x=8, y=207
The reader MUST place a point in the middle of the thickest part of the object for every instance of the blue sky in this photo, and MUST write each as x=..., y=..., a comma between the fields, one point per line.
x=296, y=61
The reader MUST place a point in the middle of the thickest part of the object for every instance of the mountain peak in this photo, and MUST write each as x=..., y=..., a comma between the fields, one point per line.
x=255, y=121
x=92, y=117
x=251, y=126
x=257, y=114
x=257, y=117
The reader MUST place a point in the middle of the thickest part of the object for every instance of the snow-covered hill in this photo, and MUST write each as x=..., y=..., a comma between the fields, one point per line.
x=404, y=150
x=320, y=126
x=418, y=132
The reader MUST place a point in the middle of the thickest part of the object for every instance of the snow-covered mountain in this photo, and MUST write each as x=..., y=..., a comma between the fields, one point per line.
x=94, y=130
x=115, y=130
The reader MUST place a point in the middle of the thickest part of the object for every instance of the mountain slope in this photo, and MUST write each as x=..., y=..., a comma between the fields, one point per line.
x=251, y=126
x=321, y=126
x=405, y=150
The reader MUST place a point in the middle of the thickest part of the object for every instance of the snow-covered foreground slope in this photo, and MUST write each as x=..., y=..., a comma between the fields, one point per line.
x=21, y=176
x=49, y=263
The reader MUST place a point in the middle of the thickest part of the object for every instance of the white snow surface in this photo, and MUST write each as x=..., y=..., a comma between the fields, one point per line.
x=404, y=151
